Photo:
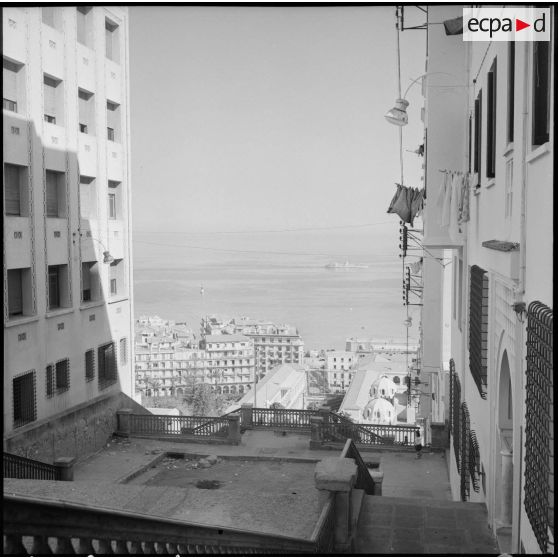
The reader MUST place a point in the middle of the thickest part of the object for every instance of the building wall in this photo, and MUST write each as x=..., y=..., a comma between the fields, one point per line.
x=34, y=241
x=512, y=207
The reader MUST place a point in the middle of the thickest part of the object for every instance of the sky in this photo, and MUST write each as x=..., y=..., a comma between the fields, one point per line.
x=262, y=118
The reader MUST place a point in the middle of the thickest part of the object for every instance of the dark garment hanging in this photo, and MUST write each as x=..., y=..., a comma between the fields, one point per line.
x=406, y=203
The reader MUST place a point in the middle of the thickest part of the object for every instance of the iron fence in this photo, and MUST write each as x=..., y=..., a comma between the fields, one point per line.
x=539, y=429
x=18, y=467
x=282, y=418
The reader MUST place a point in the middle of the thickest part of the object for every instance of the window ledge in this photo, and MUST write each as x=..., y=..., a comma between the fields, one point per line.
x=508, y=149
x=20, y=321
x=59, y=312
x=92, y=304
x=539, y=151
x=490, y=183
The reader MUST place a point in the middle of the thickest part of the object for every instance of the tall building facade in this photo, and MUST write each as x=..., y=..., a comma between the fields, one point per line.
x=490, y=143
x=68, y=326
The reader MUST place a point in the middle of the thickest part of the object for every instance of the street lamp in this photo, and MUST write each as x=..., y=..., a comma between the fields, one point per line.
x=107, y=258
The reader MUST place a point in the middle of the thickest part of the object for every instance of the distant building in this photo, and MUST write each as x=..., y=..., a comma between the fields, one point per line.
x=273, y=344
x=363, y=347
x=340, y=368
x=229, y=362
x=284, y=387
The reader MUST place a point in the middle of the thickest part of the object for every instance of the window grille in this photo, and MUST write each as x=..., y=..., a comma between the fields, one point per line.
x=49, y=377
x=539, y=429
x=89, y=365
x=24, y=403
x=124, y=350
x=62, y=375
x=455, y=403
x=478, y=328
x=474, y=460
x=106, y=362
x=464, y=432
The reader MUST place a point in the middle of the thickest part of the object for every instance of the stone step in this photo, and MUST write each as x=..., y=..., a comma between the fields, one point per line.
x=412, y=526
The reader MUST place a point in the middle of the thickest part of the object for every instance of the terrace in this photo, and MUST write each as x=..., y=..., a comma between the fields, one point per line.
x=269, y=490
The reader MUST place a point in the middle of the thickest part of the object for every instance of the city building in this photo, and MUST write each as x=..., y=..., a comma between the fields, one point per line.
x=229, y=362
x=273, y=344
x=67, y=199
x=489, y=142
x=284, y=387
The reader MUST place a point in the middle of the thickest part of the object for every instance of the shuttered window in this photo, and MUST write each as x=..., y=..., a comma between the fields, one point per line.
x=12, y=189
x=24, y=404
x=478, y=328
x=491, y=122
x=89, y=365
x=106, y=365
x=53, y=181
x=9, y=86
x=53, y=287
x=541, y=92
x=15, y=292
x=50, y=90
x=63, y=375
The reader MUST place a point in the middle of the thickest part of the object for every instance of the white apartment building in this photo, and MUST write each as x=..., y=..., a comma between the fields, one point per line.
x=229, y=363
x=67, y=246
x=340, y=368
x=494, y=129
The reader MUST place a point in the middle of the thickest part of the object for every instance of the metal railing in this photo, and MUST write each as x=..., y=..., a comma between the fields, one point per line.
x=364, y=480
x=149, y=425
x=18, y=467
x=42, y=528
x=282, y=418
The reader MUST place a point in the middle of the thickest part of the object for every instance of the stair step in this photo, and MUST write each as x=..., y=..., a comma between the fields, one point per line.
x=430, y=502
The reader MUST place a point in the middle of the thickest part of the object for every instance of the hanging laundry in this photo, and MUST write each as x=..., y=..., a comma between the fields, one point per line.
x=415, y=267
x=406, y=203
x=456, y=198
x=446, y=203
x=441, y=196
x=465, y=199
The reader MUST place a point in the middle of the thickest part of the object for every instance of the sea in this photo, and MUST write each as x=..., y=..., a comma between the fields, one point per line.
x=279, y=276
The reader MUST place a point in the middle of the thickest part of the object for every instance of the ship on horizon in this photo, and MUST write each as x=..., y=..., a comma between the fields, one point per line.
x=345, y=265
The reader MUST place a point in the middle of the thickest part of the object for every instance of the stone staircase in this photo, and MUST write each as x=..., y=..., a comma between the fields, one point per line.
x=423, y=526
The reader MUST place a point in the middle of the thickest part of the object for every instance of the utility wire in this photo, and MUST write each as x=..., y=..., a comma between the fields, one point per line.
x=272, y=230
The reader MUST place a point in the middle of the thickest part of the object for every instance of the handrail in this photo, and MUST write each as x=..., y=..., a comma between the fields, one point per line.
x=364, y=480
x=125, y=532
x=282, y=418
x=18, y=467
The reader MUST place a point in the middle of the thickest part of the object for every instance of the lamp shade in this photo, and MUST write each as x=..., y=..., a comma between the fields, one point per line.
x=398, y=114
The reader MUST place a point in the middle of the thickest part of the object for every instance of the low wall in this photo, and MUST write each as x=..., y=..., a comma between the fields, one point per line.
x=78, y=432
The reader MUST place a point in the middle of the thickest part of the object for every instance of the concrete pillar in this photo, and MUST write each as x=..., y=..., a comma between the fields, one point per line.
x=246, y=415
x=66, y=467
x=234, y=430
x=378, y=478
x=506, y=503
x=123, y=422
x=316, y=432
x=338, y=476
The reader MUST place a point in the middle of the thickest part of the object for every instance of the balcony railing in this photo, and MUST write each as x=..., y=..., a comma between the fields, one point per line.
x=169, y=425
x=43, y=527
x=282, y=418
x=18, y=467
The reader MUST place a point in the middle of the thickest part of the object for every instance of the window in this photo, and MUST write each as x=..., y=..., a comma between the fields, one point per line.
x=106, y=359
x=112, y=205
x=86, y=112
x=55, y=194
x=11, y=85
x=511, y=89
x=15, y=292
x=469, y=152
x=124, y=350
x=53, y=101
x=113, y=121
x=116, y=277
x=24, y=399
x=58, y=292
x=111, y=40
x=89, y=365
x=478, y=135
x=90, y=283
x=84, y=25
x=15, y=190
x=62, y=375
x=87, y=198
x=52, y=17
x=49, y=378
x=478, y=328
x=491, y=122
x=541, y=93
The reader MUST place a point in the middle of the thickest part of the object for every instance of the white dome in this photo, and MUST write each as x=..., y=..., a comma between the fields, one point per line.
x=379, y=411
x=383, y=387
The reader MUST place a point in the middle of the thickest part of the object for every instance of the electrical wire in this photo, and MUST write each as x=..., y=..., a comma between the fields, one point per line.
x=271, y=230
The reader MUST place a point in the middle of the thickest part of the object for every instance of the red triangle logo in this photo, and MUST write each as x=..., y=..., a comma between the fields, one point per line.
x=519, y=25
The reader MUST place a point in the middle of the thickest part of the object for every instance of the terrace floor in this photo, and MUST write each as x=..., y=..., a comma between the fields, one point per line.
x=137, y=474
